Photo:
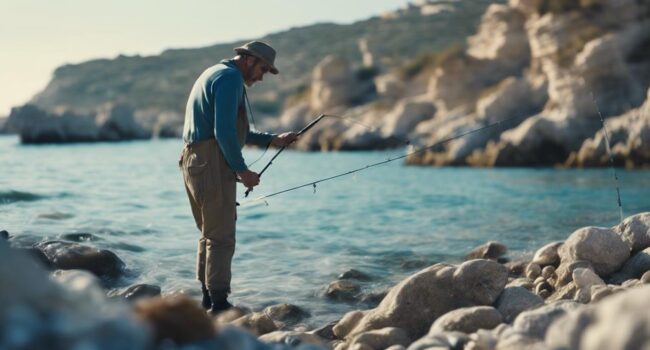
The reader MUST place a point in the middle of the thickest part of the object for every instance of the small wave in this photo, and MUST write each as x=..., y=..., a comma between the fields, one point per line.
x=8, y=197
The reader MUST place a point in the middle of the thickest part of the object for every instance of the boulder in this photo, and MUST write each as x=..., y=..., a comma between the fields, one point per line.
x=514, y=300
x=491, y=250
x=635, y=230
x=620, y=321
x=564, y=272
x=66, y=255
x=417, y=301
x=467, y=320
x=534, y=323
x=548, y=254
x=380, y=338
x=602, y=247
x=176, y=318
x=4, y=235
x=634, y=267
x=441, y=341
x=30, y=301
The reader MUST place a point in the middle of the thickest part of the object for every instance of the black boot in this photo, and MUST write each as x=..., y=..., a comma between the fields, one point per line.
x=219, y=301
x=206, y=302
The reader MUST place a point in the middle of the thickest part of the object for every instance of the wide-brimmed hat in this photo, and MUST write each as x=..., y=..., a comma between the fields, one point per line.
x=260, y=50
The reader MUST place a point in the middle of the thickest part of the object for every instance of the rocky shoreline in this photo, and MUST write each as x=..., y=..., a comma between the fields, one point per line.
x=590, y=291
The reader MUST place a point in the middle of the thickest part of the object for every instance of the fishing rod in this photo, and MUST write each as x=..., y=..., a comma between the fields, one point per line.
x=368, y=166
x=611, y=158
x=309, y=126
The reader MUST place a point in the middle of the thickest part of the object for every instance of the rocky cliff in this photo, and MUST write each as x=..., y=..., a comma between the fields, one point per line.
x=550, y=68
x=156, y=87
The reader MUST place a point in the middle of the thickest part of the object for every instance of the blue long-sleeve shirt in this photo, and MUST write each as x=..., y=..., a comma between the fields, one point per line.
x=211, y=112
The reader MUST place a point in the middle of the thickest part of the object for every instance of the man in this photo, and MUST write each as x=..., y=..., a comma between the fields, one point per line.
x=215, y=130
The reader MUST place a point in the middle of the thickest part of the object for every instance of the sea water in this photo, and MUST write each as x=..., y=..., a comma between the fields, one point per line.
x=387, y=221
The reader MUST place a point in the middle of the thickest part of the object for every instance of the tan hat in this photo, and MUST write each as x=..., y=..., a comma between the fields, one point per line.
x=260, y=50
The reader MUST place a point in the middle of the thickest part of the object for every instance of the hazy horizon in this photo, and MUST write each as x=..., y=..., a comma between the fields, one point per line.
x=48, y=35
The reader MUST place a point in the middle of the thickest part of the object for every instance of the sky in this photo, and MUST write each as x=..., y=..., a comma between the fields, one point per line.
x=36, y=36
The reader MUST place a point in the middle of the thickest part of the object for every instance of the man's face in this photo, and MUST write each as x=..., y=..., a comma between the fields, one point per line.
x=256, y=70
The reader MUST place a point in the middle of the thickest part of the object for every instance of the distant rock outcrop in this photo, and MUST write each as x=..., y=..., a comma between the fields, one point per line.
x=110, y=123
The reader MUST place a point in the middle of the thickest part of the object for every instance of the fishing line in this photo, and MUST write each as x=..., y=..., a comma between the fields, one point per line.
x=390, y=159
x=250, y=110
x=611, y=158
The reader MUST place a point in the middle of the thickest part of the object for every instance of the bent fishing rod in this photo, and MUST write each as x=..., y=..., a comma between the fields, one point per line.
x=309, y=126
x=368, y=166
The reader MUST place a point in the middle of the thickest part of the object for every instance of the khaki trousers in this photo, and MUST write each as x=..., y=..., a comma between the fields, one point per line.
x=211, y=188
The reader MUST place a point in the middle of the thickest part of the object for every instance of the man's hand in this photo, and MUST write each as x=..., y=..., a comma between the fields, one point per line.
x=249, y=178
x=284, y=139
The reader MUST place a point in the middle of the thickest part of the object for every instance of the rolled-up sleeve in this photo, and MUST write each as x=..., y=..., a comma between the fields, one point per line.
x=228, y=90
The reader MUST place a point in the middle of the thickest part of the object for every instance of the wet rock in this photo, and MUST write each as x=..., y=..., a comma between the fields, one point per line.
x=286, y=313
x=635, y=231
x=467, y=320
x=548, y=254
x=564, y=272
x=177, y=318
x=38, y=256
x=223, y=318
x=418, y=300
x=491, y=250
x=343, y=290
x=353, y=274
x=593, y=327
x=326, y=331
x=375, y=297
x=634, y=267
x=381, y=338
x=136, y=292
x=534, y=323
x=66, y=255
x=4, y=235
x=292, y=338
x=514, y=300
x=602, y=247
x=258, y=323
x=46, y=314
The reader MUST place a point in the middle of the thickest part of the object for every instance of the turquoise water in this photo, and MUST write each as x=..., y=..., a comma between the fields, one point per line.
x=388, y=221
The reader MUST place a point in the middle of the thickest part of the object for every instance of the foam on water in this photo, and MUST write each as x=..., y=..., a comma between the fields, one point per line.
x=388, y=221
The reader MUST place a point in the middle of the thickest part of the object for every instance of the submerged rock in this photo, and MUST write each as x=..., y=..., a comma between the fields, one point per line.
x=65, y=255
x=343, y=290
x=353, y=274
x=286, y=313
x=136, y=292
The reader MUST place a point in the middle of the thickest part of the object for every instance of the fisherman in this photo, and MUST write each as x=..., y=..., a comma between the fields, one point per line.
x=215, y=130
